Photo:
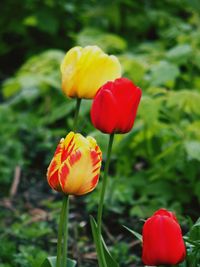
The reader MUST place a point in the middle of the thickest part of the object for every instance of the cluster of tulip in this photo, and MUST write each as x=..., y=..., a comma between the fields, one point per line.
x=89, y=73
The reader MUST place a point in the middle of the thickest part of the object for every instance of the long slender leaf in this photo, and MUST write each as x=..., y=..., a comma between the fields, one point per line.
x=109, y=259
x=51, y=262
x=139, y=236
x=95, y=237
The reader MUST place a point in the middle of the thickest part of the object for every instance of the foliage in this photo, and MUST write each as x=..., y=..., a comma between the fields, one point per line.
x=51, y=262
x=154, y=166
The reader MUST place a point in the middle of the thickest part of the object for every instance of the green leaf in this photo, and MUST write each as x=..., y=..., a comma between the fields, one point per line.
x=149, y=110
x=139, y=236
x=134, y=68
x=46, y=21
x=164, y=73
x=193, y=149
x=180, y=53
x=109, y=42
x=51, y=262
x=37, y=72
x=109, y=259
x=184, y=100
x=95, y=237
x=193, y=245
x=30, y=21
x=194, y=4
x=59, y=112
x=10, y=87
x=194, y=233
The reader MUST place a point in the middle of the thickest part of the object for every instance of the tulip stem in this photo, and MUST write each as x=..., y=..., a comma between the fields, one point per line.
x=78, y=104
x=103, y=191
x=63, y=223
x=65, y=230
x=60, y=231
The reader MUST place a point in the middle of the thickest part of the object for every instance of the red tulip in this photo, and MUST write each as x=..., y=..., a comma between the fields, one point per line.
x=115, y=105
x=162, y=240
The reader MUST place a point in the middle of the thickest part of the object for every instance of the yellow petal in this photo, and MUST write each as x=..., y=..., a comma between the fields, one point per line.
x=79, y=172
x=85, y=70
x=69, y=69
x=76, y=165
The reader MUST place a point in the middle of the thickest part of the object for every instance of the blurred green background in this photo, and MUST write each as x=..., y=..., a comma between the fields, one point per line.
x=156, y=165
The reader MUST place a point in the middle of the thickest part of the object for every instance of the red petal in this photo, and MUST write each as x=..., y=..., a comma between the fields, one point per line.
x=115, y=106
x=104, y=110
x=95, y=181
x=63, y=173
x=165, y=212
x=67, y=150
x=54, y=182
x=162, y=241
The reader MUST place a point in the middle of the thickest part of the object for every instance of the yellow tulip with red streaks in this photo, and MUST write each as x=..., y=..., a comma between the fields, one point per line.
x=75, y=167
x=85, y=70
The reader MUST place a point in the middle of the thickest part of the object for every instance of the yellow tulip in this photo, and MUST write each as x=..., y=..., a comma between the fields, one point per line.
x=75, y=167
x=85, y=70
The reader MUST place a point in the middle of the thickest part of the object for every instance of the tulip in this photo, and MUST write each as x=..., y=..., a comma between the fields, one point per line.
x=85, y=70
x=115, y=106
x=75, y=167
x=162, y=240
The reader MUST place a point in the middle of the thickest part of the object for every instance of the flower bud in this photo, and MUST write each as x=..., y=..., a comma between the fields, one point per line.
x=85, y=70
x=162, y=240
x=115, y=106
x=75, y=167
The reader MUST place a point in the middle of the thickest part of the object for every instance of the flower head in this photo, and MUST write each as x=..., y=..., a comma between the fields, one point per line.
x=75, y=167
x=162, y=240
x=85, y=70
x=115, y=106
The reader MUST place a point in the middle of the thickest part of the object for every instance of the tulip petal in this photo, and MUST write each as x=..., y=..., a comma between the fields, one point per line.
x=164, y=212
x=104, y=112
x=162, y=240
x=76, y=165
x=115, y=105
x=85, y=70
x=96, y=68
x=127, y=96
x=68, y=146
x=69, y=69
x=77, y=173
x=52, y=171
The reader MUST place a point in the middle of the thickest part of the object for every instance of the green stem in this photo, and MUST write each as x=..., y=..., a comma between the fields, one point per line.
x=65, y=230
x=63, y=221
x=60, y=232
x=78, y=104
x=103, y=191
